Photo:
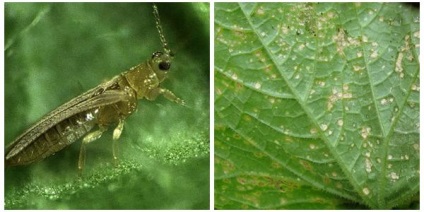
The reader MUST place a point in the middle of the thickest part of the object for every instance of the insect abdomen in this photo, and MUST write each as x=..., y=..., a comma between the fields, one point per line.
x=54, y=139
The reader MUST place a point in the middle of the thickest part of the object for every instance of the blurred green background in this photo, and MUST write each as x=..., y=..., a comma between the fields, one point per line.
x=54, y=52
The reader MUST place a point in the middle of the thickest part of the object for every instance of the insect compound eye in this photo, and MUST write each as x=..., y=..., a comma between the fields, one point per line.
x=164, y=66
x=162, y=60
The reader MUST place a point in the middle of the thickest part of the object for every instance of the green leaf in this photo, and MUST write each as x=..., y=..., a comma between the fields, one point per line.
x=54, y=52
x=316, y=105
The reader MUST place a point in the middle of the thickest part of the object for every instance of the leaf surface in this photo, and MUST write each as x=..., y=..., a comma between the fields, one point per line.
x=316, y=105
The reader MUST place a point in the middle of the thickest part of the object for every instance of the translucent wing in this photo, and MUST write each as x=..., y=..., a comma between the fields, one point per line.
x=101, y=95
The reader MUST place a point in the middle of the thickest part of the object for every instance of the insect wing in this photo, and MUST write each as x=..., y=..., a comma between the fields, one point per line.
x=86, y=101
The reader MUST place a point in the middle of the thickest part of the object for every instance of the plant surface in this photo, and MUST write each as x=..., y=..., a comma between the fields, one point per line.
x=316, y=105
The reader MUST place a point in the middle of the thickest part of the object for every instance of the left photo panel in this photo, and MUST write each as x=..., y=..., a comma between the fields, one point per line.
x=107, y=106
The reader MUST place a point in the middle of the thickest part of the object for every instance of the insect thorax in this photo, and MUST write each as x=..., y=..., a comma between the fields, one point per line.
x=142, y=79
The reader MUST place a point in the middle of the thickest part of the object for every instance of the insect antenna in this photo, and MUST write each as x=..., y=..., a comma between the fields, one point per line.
x=160, y=30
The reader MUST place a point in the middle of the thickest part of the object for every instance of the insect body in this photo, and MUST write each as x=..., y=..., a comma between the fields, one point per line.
x=109, y=103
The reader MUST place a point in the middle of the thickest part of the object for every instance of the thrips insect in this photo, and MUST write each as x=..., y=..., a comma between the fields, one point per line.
x=105, y=105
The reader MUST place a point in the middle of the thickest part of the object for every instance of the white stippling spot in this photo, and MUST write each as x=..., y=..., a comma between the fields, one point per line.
x=340, y=122
x=365, y=132
x=383, y=102
x=367, y=154
x=260, y=11
x=416, y=146
x=368, y=165
x=324, y=127
x=374, y=54
x=345, y=87
x=366, y=191
x=258, y=85
x=312, y=146
x=357, y=68
x=394, y=176
x=415, y=87
x=321, y=83
x=417, y=34
x=398, y=67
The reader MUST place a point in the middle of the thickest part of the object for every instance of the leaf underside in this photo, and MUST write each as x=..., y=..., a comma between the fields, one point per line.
x=316, y=105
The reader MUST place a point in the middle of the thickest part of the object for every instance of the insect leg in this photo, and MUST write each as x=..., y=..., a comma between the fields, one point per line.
x=118, y=130
x=171, y=96
x=166, y=93
x=87, y=139
x=116, y=134
x=81, y=160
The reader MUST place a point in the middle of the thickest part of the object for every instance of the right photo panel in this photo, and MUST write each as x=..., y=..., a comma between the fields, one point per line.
x=316, y=106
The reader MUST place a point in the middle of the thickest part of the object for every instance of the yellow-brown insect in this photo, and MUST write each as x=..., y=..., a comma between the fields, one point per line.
x=109, y=103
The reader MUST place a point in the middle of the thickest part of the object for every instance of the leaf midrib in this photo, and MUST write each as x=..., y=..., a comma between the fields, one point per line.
x=308, y=113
